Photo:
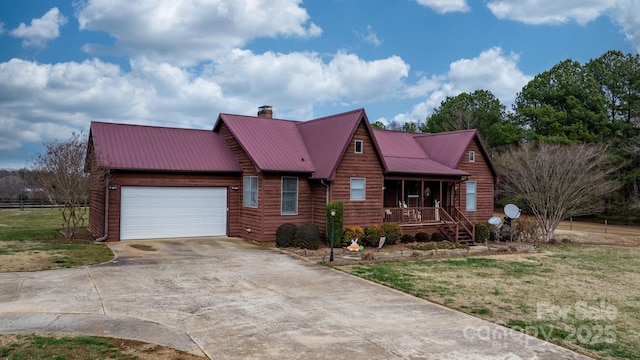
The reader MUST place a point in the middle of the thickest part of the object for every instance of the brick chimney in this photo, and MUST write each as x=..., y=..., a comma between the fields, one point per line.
x=265, y=111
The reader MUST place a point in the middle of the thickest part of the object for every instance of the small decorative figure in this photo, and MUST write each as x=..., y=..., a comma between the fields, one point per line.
x=354, y=245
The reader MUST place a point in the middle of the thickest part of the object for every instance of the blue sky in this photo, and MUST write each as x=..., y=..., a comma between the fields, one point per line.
x=173, y=63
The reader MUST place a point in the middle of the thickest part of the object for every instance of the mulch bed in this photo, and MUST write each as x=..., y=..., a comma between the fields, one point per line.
x=81, y=236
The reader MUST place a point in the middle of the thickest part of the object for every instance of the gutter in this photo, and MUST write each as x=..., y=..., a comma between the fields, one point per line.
x=106, y=213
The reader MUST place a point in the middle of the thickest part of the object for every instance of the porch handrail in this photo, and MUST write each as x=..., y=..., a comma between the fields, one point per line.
x=464, y=221
x=450, y=222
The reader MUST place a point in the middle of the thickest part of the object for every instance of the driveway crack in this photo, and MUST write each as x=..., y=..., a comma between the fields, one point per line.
x=96, y=288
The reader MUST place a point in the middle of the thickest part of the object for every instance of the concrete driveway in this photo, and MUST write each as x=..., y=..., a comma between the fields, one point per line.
x=226, y=298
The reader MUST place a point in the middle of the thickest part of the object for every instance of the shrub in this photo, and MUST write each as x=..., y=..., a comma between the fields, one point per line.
x=437, y=237
x=350, y=233
x=337, y=221
x=406, y=238
x=372, y=235
x=422, y=237
x=527, y=229
x=494, y=234
x=392, y=233
x=285, y=235
x=483, y=231
x=308, y=236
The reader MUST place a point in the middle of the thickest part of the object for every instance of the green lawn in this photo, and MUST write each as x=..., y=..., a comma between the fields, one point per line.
x=30, y=240
x=30, y=225
x=586, y=298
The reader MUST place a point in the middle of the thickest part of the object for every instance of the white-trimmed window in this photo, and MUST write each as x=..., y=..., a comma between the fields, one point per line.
x=358, y=186
x=250, y=191
x=471, y=196
x=472, y=156
x=357, y=147
x=289, y=195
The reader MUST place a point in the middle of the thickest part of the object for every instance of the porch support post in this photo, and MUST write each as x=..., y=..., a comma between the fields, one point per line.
x=402, y=201
x=460, y=194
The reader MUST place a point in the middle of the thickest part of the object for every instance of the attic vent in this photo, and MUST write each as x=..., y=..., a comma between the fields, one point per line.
x=265, y=111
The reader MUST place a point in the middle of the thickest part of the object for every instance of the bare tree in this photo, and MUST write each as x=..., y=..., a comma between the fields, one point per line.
x=59, y=171
x=460, y=119
x=557, y=181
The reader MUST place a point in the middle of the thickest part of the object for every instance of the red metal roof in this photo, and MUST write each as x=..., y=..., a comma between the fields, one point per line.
x=403, y=154
x=447, y=148
x=315, y=147
x=136, y=147
x=272, y=144
x=327, y=139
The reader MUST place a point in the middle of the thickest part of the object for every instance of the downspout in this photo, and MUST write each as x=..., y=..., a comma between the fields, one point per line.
x=326, y=192
x=322, y=181
x=106, y=213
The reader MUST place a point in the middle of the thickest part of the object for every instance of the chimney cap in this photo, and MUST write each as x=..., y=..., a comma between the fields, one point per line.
x=265, y=111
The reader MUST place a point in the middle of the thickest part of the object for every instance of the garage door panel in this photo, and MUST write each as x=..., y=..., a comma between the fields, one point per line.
x=166, y=212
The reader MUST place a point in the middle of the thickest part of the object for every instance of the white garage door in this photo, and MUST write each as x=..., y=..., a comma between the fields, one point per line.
x=172, y=212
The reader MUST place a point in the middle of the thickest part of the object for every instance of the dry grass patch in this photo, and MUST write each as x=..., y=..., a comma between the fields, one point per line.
x=586, y=298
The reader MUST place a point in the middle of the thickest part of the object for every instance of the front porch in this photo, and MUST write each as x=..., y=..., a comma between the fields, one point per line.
x=427, y=204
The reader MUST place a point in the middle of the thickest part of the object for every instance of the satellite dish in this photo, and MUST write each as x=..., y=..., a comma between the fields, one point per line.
x=512, y=211
x=495, y=221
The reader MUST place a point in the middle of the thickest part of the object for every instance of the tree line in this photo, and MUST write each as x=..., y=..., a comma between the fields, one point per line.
x=568, y=122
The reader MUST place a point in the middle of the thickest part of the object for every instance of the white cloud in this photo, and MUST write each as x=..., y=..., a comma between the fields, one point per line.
x=187, y=32
x=41, y=30
x=445, y=6
x=305, y=78
x=549, y=11
x=424, y=86
x=39, y=101
x=68, y=95
x=625, y=14
x=538, y=12
x=370, y=36
x=491, y=70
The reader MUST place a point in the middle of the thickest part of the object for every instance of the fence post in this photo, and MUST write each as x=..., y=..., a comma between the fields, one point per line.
x=605, y=225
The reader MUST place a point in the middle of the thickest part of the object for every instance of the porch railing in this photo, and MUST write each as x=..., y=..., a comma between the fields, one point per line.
x=454, y=220
x=413, y=215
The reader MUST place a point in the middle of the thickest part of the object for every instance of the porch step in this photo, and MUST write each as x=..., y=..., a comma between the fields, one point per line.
x=450, y=233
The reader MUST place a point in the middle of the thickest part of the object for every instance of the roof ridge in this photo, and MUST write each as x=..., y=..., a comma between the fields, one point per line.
x=262, y=118
x=146, y=126
x=444, y=132
x=332, y=116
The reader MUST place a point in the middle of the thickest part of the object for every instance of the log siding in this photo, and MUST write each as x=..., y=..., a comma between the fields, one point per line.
x=484, y=178
x=365, y=165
